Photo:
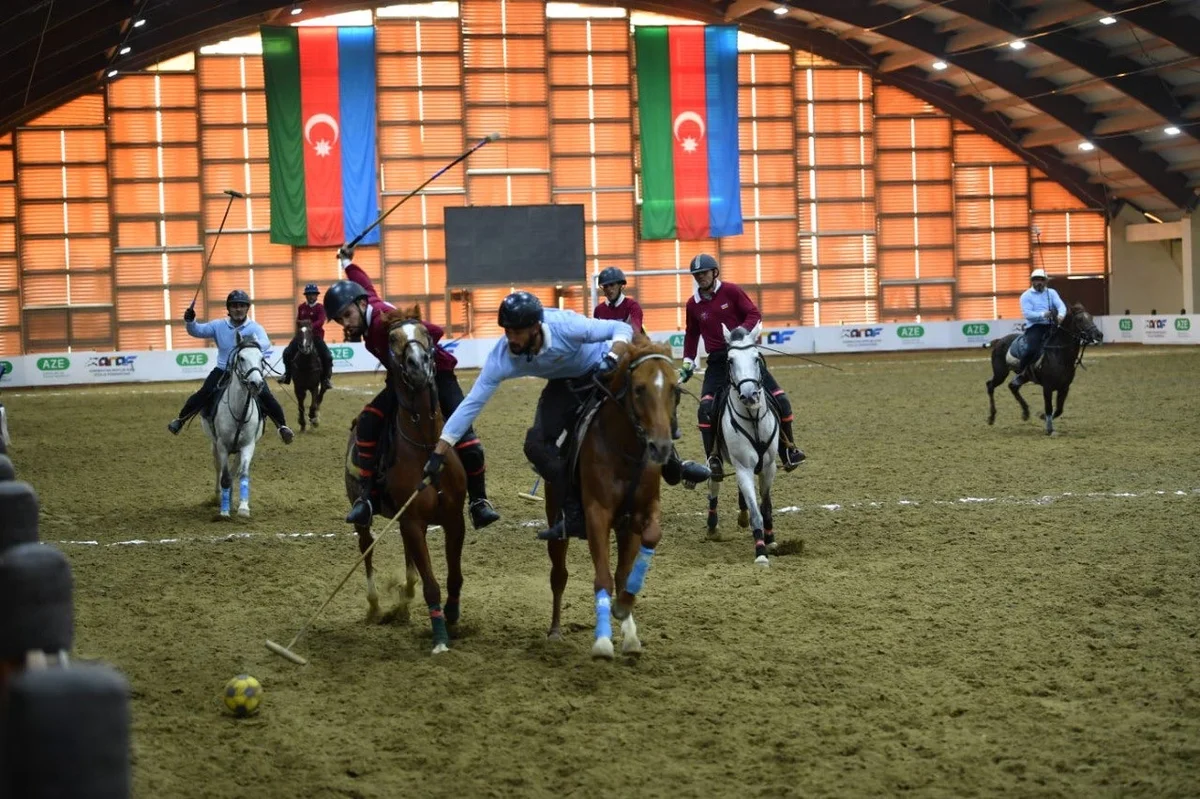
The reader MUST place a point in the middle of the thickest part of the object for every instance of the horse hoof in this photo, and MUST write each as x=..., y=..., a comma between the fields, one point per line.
x=761, y=560
x=315, y=424
x=224, y=514
x=373, y=615
x=631, y=646
x=712, y=535
x=603, y=648
x=744, y=519
x=439, y=648
x=244, y=512
x=773, y=547
x=554, y=635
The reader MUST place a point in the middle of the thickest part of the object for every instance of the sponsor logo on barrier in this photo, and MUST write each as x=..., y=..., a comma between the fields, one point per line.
x=780, y=336
x=53, y=368
x=856, y=337
x=186, y=359
x=676, y=340
x=910, y=331
x=1156, y=329
x=976, y=329
x=108, y=365
x=1125, y=324
x=1156, y=324
x=342, y=353
x=6, y=370
x=1182, y=324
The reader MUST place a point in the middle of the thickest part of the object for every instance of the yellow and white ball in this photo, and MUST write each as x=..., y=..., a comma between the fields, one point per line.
x=243, y=695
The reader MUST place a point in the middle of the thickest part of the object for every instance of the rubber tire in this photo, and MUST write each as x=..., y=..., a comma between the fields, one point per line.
x=35, y=592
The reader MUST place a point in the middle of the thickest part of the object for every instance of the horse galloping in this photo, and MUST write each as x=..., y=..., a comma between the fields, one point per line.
x=412, y=435
x=1054, y=371
x=749, y=430
x=620, y=458
x=305, y=369
x=236, y=422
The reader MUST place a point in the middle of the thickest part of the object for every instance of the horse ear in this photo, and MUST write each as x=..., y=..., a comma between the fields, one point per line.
x=725, y=331
x=754, y=334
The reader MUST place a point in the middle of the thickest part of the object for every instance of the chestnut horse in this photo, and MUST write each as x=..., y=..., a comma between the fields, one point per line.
x=621, y=458
x=413, y=434
x=306, y=373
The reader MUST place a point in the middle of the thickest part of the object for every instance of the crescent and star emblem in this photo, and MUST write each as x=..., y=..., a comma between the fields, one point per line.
x=322, y=146
x=688, y=143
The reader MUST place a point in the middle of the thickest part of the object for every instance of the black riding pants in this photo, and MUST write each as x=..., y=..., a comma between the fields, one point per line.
x=369, y=430
x=716, y=378
x=557, y=409
x=201, y=399
x=1035, y=342
x=323, y=353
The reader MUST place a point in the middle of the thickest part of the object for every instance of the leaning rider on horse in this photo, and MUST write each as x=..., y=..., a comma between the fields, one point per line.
x=716, y=302
x=356, y=306
x=314, y=312
x=567, y=350
x=1043, y=309
x=226, y=333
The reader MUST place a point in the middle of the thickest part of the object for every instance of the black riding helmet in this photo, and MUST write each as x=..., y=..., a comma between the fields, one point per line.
x=237, y=295
x=610, y=275
x=520, y=310
x=341, y=294
x=703, y=263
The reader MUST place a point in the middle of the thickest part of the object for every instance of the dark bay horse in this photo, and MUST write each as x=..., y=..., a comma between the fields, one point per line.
x=305, y=369
x=411, y=437
x=1054, y=371
x=621, y=458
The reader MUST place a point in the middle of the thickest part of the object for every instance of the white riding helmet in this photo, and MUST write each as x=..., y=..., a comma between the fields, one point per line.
x=1038, y=273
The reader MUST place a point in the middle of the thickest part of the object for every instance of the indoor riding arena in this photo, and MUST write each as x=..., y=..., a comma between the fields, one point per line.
x=953, y=608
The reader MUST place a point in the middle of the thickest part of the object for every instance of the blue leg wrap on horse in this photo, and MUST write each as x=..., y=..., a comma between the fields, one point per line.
x=245, y=487
x=225, y=493
x=603, y=615
x=637, y=575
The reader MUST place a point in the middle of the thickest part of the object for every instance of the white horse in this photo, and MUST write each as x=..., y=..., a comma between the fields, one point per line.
x=749, y=440
x=237, y=423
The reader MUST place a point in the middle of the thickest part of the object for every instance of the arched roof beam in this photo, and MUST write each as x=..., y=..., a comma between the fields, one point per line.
x=1012, y=78
x=915, y=81
x=1173, y=25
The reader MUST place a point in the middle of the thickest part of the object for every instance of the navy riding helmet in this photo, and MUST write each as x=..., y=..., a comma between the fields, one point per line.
x=520, y=310
x=609, y=276
x=341, y=294
x=237, y=295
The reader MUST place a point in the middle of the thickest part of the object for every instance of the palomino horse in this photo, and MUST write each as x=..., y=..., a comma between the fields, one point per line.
x=306, y=373
x=1054, y=371
x=749, y=440
x=236, y=423
x=413, y=434
x=621, y=457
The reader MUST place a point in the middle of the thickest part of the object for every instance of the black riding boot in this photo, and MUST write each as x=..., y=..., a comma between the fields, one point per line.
x=791, y=455
x=482, y=511
x=675, y=471
x=570, y=520
x=363, y=511
x=675, y=434
x=715, y=468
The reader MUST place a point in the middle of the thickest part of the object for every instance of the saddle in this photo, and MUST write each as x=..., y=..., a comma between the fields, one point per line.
x=1017, y=352
x=585, y=415
x=209, y=411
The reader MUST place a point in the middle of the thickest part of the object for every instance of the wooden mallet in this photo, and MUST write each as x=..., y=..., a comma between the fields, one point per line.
x=532, y=495
x=286, y=651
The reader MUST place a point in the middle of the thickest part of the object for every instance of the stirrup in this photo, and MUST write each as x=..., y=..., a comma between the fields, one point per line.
x=716, y=468
x=355, y=516
x=483, y=513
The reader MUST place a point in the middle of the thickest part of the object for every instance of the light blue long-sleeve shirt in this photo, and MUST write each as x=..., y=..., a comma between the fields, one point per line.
x=1036, y=305
x=225, y=334
x=573, y=346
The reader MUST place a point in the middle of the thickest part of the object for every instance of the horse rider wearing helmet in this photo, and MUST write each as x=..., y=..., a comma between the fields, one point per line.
x=620, y=306
x=355, y=305
x=716, y=302
x=313, y=311
x=226, y=332
x=566, y=349
x=1043, y=309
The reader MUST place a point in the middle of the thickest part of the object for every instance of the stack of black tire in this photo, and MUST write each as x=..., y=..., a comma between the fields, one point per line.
x=64, y=728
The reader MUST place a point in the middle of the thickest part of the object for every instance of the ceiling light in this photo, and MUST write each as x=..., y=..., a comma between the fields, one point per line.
x=1108, y=20
x=781, y=11
x=125, y=50
x=1017, y=45
x=112, y=73
x=1086, y=146
x=295, y=12
x=139, y=23
x=1171, y=130
x=940, y=65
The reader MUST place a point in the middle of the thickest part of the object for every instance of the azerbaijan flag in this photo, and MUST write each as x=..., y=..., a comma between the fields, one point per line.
x=688, y=114
x=320, y=85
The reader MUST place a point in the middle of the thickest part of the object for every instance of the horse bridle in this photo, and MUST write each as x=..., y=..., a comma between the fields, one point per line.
x=756, y=382
x=244, y=379
x=413, y=412
x=759, y=446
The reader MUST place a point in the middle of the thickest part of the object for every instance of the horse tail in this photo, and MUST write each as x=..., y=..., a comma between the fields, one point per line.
x=990, y=343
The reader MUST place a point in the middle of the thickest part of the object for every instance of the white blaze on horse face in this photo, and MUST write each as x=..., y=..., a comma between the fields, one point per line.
x=658, y=381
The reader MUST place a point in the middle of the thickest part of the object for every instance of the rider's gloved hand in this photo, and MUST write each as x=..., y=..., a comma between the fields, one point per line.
x=433, y=467
x=608, y=364
x=345, y=255
x=189, y=315
x=685, y=374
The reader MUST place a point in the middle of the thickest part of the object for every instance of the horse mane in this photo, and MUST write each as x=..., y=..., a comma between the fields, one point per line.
x=641, y=345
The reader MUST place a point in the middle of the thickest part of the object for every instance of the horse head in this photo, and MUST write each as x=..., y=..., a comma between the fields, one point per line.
x=744, y=373
x=304, y=336
x=247, y=360
x=1080, y=324
x=410, y=347
x=645, y=382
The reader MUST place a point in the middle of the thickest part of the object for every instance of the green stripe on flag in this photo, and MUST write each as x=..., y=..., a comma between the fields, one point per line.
x=654, y=117
x=281, y=75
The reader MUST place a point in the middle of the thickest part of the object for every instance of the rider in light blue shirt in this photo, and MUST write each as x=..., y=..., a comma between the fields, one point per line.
x=1042, y=309
x=565, y=349
x=226, y=332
